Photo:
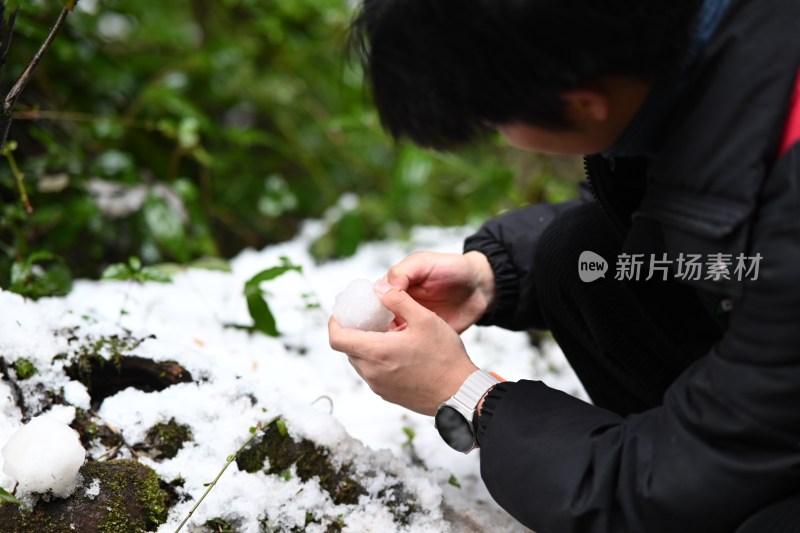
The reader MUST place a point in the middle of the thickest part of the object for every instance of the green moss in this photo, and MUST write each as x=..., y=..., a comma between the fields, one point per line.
x=164, y=440
x=105, y=350
x=151, y=497
x=221, y=525
x=400, y=502
x=333, y=524
x=130, y=501
x=136, y=504
x=24, y=368
x=106, y=366
x=308, y=459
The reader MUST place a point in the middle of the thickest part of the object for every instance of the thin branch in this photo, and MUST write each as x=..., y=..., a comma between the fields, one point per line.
x=19, y=177
x=27, y=74
x=117, y=433
x=25, y=77
x=231, y=458
x=76, y=116
x=8, y=31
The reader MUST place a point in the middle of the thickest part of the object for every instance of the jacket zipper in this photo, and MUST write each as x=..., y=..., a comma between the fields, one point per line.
x=600, y=196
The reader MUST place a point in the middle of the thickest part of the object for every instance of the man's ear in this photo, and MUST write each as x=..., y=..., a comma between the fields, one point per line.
x=586, y=105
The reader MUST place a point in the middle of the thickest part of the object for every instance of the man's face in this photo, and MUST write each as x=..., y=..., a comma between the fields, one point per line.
x=599, y=113
x=559, y=142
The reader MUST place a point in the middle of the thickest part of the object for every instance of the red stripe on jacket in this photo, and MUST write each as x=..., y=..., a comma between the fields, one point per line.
x=791, y=134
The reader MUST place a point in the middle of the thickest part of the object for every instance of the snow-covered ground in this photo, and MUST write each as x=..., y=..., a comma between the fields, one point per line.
x=241, y=379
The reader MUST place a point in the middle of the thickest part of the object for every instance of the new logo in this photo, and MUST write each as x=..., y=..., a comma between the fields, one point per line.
x=591, y=266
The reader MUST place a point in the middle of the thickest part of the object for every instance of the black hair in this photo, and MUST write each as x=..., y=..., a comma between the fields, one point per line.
x=442, y=71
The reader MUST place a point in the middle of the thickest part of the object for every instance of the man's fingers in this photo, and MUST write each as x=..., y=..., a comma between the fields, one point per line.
x=409, y=271
x=353, y=342
x=399, y=302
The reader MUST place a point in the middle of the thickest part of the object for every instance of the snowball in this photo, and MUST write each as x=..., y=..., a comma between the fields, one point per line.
x=44, y=455
x=359, y=307
x=93, y=489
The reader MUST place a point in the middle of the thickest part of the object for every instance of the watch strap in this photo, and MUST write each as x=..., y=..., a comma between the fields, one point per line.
x=473, y=389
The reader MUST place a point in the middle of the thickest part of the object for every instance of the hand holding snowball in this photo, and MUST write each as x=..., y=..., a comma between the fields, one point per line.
x=417, y=365
x=458, y=287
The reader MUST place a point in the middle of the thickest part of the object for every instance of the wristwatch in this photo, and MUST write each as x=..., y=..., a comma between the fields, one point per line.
x=453, y=419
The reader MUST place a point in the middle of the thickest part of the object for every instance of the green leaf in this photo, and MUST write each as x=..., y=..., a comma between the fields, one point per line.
x=349, y=233
x=7, y=497
x=280, y=423
x=40, y=274
x=155, y=273
x=410, y=433
x=264, y=320
x=212, y=263
x=276, y=271
x=24, y=368
x=133, y=271
x=9, y=147
x=188, y=134
x=262, y=316
x=454, y=481
x=119, y=271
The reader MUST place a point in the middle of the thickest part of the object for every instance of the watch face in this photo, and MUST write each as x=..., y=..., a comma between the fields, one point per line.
x=454, y=429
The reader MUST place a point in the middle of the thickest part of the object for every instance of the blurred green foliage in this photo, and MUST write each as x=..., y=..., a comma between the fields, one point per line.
x=175, y=130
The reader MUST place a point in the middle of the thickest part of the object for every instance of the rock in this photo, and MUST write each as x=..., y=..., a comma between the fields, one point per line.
x=115, y=497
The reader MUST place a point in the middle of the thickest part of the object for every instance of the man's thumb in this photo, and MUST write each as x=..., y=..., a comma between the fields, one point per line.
x=396, y=301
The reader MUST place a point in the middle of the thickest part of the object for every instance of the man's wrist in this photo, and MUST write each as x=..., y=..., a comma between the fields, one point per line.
x=479, y=407
x=483, y=275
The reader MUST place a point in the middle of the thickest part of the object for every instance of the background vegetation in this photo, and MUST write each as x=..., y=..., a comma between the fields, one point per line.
x=177, y=130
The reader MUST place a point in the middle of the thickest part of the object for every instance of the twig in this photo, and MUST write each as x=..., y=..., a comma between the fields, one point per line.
x=330, y=402
x=27, y=74
x=19, y=177
x=77, y=116
x=231, y=458
x=111, y=453
x=8, y=30
x=117, y=433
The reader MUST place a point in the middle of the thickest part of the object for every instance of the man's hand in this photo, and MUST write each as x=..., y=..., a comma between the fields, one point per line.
x=418, y=365
x=459, y=288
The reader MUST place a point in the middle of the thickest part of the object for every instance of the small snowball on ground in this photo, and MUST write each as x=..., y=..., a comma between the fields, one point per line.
x=44, y=455
x=93, y=489
x=359, y=307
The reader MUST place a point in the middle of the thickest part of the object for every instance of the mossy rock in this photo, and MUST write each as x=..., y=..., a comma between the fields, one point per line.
x=105, y=365
x=309, y=460
x=164, y=440
x=333, y=524
x=219, y=525
x=130, y=500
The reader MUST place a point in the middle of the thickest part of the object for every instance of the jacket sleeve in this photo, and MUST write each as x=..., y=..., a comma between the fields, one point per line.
x=725, y=442
x=509, y=242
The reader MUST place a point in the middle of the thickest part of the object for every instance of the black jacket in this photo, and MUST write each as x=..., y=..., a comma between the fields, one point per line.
x=726, y=440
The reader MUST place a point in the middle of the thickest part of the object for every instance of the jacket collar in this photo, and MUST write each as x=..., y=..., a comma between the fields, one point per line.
x=643, y=134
